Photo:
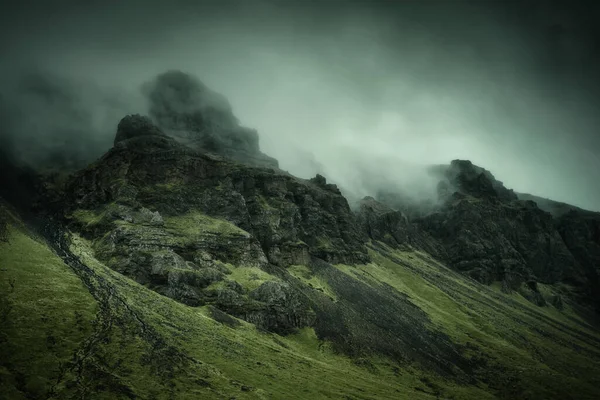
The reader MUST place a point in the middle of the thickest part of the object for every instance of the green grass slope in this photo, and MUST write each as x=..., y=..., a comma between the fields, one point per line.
x=118, y=339
x=73, y=328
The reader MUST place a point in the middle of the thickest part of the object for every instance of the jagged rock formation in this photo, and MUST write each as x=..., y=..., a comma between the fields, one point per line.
x=492, y=240
x=177, y=219
x=464, y=177
x=380, y=222
x=135, y=126
x=242, y=247
x=485, y=231
x=290, y=218
x=197, y=116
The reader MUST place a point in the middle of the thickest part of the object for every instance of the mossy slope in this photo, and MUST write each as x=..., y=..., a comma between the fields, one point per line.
x=114, y=338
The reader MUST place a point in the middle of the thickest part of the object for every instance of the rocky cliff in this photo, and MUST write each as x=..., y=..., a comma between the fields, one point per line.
x=482, y=229
x=199, y=117
x=184, y=264
x=158, y=210
x=177, y=219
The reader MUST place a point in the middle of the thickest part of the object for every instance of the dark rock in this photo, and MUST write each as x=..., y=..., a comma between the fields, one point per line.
x=201, y=118
x=321, y=182
x=556, y=208
x=532, y=294
x=235, y=286
x=508, y=241
x=291, y=218
x=580, y=231
x=557, y=301
x=382, y=223
x=465, y=177
x=285, y=309
x=136, y=125
x=480, y=228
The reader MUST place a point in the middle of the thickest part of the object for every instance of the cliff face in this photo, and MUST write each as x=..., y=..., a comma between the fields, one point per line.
x=483, y=230
x=152, y=202
x=177, y=219
x=289, y=218
x=492, y=240
x=197, y=116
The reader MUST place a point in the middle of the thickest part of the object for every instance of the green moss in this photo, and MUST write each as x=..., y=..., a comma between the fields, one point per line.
x=264, y=203
x=195, y=223
x=49, y=315
x=324, y=243
x=538, y=346
x=140, y=344
x=169, y=186
x=250, y=277
x=304, y=274
x=87, y=217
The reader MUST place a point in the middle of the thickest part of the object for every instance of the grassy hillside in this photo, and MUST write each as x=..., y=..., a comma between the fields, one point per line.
x=74, y=328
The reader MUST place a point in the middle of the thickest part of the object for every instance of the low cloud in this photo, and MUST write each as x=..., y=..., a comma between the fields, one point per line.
x=365, y=93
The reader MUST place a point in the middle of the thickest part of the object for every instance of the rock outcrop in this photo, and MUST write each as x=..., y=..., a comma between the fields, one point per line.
x=170, y=216
x=197, y=116
x=135, y=126
x=482, y=229
x=556, y=208
x=490, y=240
x=382, y=223
x=464, y=177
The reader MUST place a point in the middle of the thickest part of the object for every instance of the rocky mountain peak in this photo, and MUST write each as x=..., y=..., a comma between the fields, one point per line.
x=467, y=178
x=186, y=109
x=136, y=125
x=320, y=181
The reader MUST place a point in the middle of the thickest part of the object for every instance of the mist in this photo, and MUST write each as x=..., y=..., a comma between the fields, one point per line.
x=364, y=93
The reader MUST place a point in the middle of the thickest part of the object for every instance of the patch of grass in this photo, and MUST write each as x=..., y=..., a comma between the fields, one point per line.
x=304, y=274
x=264, y=203
x=87, y=217
x=195, y=223
x=250, y=277
x=324, y=243
x=50, y=316
x=540, y=351
x=169, y=186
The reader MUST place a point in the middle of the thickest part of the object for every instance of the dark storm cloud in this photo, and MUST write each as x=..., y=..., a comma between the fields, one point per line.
x=353, y=89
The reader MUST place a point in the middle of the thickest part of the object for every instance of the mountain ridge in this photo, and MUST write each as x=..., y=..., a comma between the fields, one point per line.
x=205, y=273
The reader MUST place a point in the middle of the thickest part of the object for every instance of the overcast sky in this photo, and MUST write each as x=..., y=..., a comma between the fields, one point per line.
x=350, y=89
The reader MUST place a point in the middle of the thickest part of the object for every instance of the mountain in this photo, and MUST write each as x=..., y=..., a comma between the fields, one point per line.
x=172, y=268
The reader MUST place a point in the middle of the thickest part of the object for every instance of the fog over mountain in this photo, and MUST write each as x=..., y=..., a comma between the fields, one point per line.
x=354, y=90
